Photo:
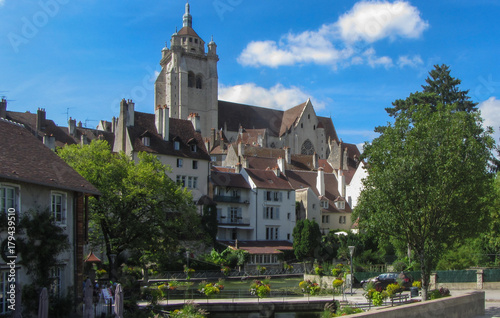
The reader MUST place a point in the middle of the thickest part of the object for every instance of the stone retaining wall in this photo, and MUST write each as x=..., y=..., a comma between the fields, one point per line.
x=464, y=306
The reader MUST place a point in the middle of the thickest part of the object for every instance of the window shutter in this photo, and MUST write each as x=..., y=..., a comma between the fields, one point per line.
x=239, y=212
x=281, y=196
x=277, y=213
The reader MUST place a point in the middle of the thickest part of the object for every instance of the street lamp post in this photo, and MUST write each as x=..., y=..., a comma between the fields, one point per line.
x=351, y=251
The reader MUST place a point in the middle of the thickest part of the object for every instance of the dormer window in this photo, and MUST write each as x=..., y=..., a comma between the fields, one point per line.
x=324, y=204
x=177, y=145
x=146, y=141
x=194, y=148
x=340, y=205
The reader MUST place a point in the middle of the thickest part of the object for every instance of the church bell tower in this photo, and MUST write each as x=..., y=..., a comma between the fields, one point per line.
x=188, y=81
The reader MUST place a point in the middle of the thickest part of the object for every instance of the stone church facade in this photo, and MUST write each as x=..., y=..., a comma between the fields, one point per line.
x=188, y=85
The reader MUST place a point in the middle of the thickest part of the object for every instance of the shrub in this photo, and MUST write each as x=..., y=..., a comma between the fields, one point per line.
x=337, y=283
x=260, y=289
x=336, y=272
x=417, y=284
x=319, y=270
x=189, y=310
x=225, y=270
x=211, y=289
x=393, y=289
x=309, y=287
x=378, y=298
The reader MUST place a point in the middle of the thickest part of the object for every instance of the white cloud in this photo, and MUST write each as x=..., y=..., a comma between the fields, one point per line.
x=335, y=42
x=413, y=61
x=371, y=21
x=278, y=96
x=490, y=112
x=374, y=60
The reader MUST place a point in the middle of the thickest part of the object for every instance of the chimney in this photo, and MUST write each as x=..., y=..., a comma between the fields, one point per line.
x=83, y=140
x=195, y=120
x=79, y=124
x=49, y=141
x=288, y=155
x=159, y=119
x=341, y=182
x=237, y=168
x=260, y=140
x=113, y=124
x=315, y=158
x=72, y=127
x=40, y=119
x=344, y=160
x=131, y=113
x=320, y=182
x=241, y=149
x=244, y=162
x=3, y=108
x=281, y=164
x=207, y=144
x=165, y=132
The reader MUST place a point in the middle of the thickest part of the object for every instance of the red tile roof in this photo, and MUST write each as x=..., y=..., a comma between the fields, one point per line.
x=181, y=130
x=227, y=179
x=261, y=247
x=25, y=159
x=267, y=179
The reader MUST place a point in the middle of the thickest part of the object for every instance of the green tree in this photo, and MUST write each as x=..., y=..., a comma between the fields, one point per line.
x=441, y=89
x=428, y=177
x=40, y=243
x=140, y=210
x=306, y=239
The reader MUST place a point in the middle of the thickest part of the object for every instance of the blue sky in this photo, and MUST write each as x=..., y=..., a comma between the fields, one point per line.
x=352, y=58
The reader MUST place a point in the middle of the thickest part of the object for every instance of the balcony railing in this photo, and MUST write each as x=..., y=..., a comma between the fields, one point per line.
x=230, y=199
x=236, y=220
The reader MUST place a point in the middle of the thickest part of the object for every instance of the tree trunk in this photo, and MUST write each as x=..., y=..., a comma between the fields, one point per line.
x=425, y=276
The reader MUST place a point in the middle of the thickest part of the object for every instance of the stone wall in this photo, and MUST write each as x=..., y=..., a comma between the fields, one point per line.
x=464, y=306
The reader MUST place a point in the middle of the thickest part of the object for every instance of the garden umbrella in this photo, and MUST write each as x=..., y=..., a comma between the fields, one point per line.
x=17, y=312
x=119, y=301
x=88, y=292
x=43, y=306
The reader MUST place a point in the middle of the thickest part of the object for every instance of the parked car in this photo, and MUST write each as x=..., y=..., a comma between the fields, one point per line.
x=382, y=280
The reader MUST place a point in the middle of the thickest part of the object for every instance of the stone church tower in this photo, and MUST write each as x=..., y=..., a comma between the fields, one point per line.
x=188, y=81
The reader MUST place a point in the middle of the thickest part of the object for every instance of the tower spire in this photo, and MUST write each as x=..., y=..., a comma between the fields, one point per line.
x=187, y=19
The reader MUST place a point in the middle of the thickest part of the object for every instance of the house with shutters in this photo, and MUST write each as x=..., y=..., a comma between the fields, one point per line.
x=33, y=177
x=175, y=142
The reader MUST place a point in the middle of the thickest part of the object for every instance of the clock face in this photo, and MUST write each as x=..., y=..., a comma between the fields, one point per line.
x=307, y=148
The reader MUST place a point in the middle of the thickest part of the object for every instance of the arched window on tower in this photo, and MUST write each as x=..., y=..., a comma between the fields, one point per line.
x=307, y=148
x=191, y=79
x=199, y=81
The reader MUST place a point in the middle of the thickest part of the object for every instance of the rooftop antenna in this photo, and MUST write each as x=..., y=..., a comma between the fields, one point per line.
x=67, y=112
x=88, y=120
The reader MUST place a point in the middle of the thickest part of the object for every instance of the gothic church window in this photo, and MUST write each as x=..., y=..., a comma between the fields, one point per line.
x=307, y=148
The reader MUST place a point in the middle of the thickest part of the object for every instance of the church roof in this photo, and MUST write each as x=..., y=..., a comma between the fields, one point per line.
x=188, y=31
x=290, y=117
x=234, y=115
x=277, y=122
